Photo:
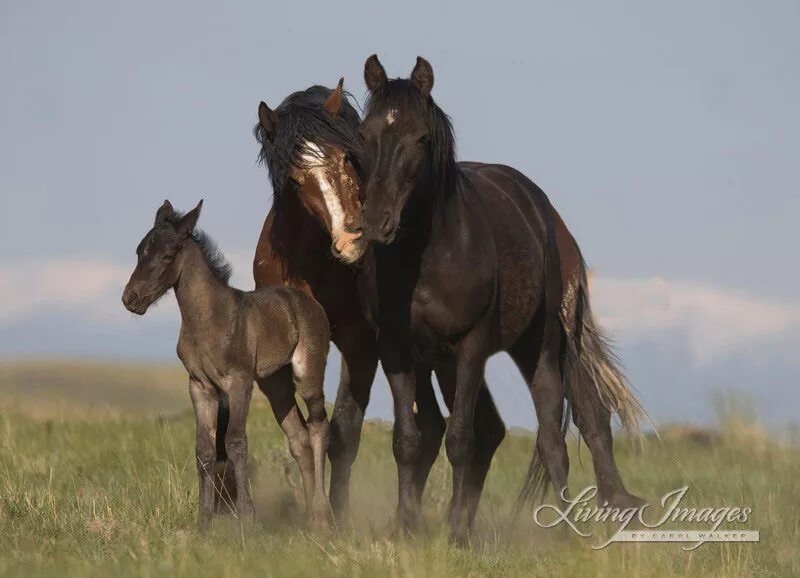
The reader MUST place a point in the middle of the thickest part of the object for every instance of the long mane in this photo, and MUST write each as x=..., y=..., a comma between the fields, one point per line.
x=219, y=265
x=399, y=94
x=302, y=119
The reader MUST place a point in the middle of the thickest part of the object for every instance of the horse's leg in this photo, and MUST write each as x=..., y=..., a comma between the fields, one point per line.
x=239, y=393
x=460, y=440
x=406, y=438
x=279, y=390
x=431, y=426
x=594, y=422
x=224, y=481
x=205, y=401
x=489, y=433
x=537, y=354
x=308, y=378
x=359, y=362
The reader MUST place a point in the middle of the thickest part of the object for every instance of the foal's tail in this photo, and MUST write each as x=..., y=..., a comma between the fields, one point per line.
x=591, y=370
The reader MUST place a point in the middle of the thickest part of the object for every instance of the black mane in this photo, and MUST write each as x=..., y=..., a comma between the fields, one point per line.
x=301, y=118
x=217, y=262
x=401, y=95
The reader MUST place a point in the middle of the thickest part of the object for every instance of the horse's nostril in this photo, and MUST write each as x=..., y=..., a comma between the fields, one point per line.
x=130, y=297
x=386, y=226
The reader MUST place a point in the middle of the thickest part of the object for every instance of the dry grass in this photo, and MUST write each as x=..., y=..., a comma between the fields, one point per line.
x=109, y=495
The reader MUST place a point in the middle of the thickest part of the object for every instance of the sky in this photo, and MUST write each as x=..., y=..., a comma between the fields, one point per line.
x=667, y=134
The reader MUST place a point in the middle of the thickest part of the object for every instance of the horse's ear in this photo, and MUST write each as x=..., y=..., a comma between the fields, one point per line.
x=422, y=76
x=333, y=103
x=164, y=212
x=374, y=73
x=185, y=226
x=267, y=119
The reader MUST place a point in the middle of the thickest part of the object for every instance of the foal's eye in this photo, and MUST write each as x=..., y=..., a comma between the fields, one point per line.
x=167, y=258
x=424, y=139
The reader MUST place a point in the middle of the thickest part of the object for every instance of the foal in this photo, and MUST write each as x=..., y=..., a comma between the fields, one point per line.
x=228, y=339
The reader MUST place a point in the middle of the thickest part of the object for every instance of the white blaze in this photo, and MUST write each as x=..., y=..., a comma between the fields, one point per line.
x=317, y=172
x=391, y=116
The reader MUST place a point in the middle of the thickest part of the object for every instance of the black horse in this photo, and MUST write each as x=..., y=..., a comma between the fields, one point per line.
x=464, y=262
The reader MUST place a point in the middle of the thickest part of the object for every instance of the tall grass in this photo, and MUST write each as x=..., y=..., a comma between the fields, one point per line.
x=113, y=496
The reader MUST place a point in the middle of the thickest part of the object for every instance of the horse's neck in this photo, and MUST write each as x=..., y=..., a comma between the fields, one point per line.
x=299, y=240
x=205, y=301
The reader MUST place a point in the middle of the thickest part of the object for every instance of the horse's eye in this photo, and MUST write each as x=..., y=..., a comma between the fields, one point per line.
x=424, y=138
x=168, y=257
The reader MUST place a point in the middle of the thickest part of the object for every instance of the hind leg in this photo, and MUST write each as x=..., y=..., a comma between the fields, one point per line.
x=308, y=372
x=537, y=355
x=279, y=390
x=593, y=420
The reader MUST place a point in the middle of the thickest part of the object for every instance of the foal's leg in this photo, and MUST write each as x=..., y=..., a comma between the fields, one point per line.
x=431, y=426
x=205, y=400
x=279, y=389
x=309, y=373
x=240, y=390
x=537, y=355
x=359, y=351
x=460, y=441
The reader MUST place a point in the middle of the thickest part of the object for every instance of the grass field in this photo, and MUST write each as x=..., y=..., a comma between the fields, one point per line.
x=113, y=491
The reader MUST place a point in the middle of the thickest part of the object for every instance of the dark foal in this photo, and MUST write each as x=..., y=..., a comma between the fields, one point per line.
x=228, y=340
x=464, y=262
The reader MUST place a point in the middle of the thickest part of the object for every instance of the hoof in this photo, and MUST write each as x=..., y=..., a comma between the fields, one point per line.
x=459, y=538
x=625, y=500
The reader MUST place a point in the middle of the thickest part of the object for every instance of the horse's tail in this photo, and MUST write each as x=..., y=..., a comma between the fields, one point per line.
x=588, y=362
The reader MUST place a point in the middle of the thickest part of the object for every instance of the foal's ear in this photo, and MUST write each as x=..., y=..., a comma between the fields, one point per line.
x=186, y=225
x=422, y=76
x=374, y=73
x=267, y=119
x=333, y=103
x=164, y=212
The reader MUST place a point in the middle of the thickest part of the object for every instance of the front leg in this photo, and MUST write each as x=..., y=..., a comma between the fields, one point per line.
x=407, y=439
x=460, y=440
x=205, y=400
x=239, y=390
x=359, y=349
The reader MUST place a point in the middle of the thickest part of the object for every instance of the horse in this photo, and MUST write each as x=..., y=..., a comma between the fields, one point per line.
x=310, y=147
x=463, y=262
x=229, y=339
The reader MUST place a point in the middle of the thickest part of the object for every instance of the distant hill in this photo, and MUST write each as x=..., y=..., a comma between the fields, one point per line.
x=45, y=388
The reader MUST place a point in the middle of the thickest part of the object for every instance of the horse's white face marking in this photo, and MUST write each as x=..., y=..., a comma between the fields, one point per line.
x=318, y=173
x=391, y=116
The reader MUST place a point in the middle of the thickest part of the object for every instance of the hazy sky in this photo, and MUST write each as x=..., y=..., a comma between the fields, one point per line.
x=667, y=134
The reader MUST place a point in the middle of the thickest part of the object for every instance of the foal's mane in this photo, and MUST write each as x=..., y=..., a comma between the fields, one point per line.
x=400, y=94
x=301, y=118
x=216, y=261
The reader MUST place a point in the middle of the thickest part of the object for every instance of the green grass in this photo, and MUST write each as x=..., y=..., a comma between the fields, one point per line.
x=102, y=494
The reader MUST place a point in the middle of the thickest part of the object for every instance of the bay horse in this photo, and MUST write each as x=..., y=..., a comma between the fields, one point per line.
x=464, y=262
x=311, y=148
x=228, y=339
